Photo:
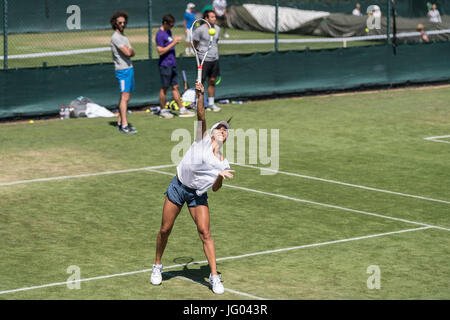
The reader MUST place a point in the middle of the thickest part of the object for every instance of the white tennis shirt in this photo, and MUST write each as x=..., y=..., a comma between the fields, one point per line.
x=199, y=167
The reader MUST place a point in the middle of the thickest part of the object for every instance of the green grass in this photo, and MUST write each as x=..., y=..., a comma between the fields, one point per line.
x=28, y=43
x=107, y=224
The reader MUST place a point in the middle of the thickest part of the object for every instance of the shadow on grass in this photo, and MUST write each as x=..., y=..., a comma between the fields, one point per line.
x=189, y=272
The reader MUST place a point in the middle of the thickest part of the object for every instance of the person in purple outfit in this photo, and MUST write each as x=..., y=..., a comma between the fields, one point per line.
x=165, y=44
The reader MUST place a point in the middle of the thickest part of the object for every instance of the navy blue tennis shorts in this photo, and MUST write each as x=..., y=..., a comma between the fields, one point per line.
x=178, y=193
x=169, y=76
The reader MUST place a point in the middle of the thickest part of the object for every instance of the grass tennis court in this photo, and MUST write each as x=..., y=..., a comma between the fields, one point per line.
x=358, y=186
x=36, y=43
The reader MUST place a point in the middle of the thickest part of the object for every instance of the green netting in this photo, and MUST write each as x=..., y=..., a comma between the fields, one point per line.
x=242, y=76
x=51, y=15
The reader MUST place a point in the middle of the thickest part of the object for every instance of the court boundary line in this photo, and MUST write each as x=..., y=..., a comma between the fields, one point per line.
x=10, y=183
x=319, y=203
x=437, y=139
x=85, y=175
x=218, y=259
x=343, y=183
x=153, y=169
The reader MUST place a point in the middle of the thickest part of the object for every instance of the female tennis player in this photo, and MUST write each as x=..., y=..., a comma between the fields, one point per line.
x=202, y=167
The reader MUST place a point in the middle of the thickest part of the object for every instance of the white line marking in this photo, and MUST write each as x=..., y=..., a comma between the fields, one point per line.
x=318, y=203
x=219, y=259
x=250, y=41
x=84, y=175
x=319, y=40
x=204, y=283
x=437, y=139
x=343, y=183
x=56, y=53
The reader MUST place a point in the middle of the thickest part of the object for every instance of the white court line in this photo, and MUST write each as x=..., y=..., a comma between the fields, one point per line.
x=204, y=283
x=437, y=139
x=219, y=259
x=152, y=169
x=84, y=175
x=343, y=183
x=318, y=203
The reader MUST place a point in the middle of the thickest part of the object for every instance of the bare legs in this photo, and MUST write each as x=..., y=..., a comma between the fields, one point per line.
x=123, y=106
x=175, y=94
x=200, y=215
x=170, y=213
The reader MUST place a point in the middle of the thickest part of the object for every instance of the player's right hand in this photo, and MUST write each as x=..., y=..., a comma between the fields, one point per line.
x=199, y=87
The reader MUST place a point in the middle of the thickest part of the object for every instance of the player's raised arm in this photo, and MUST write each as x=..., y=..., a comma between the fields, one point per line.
x=201, y=129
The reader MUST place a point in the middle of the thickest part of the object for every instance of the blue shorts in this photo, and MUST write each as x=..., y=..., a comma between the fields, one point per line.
x=178, y=193
x=126, y=79
x=169, y=76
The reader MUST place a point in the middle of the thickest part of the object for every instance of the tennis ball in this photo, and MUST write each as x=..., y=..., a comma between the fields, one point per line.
x=31, y=121
x=367, y=29
x=148, y=110
x=212, y=31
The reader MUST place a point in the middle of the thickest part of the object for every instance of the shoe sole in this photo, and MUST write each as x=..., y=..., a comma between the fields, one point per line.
x=187, y=115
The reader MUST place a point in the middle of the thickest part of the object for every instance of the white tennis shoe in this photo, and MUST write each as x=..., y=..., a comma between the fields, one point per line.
x=216, y=283
x=156, y=277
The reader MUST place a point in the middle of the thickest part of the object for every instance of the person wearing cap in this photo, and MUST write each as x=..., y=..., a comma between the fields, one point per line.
x=203, y=167
x=189, y=18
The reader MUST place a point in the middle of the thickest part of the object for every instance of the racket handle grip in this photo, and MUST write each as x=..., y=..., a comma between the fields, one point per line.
x=199, y=73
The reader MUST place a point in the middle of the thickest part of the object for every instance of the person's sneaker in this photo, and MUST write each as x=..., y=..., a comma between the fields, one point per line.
x=213, y=107
x=227, y=35
x=186, y=113
x=156, y=277
x=216, y=283
x=166, y=115
x=128, y=129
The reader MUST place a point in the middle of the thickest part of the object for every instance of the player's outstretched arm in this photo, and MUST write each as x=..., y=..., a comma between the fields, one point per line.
x=201, y=129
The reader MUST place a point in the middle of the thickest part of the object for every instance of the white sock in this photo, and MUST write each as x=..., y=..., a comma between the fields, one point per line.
x=183, y=109
x=210, y=101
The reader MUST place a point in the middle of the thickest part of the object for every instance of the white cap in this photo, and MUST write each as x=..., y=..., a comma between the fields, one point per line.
x=215, y=125
x=190, y=5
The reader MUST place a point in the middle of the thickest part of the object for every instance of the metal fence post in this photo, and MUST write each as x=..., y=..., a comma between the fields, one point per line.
x=5, y=34
x=276, y=25
x=150, y=29
x=388, y=27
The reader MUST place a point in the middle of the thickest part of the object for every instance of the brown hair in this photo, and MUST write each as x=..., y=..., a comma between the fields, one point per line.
x=116, y=15
x=168, y=18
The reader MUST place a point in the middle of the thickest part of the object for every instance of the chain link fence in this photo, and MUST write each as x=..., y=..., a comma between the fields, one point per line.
x=45, y=33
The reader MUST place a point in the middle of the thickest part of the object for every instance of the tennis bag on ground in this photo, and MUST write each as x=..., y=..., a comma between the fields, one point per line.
x=85, y=107
x=187, y=99
x=78, y=107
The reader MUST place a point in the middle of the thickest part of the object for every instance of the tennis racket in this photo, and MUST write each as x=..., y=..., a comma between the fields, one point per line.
x=185, y=80
x=200, y=62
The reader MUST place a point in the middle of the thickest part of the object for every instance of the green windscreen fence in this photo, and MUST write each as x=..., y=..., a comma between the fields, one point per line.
x=55, y=15
x=38, y=91
x=53, y=51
